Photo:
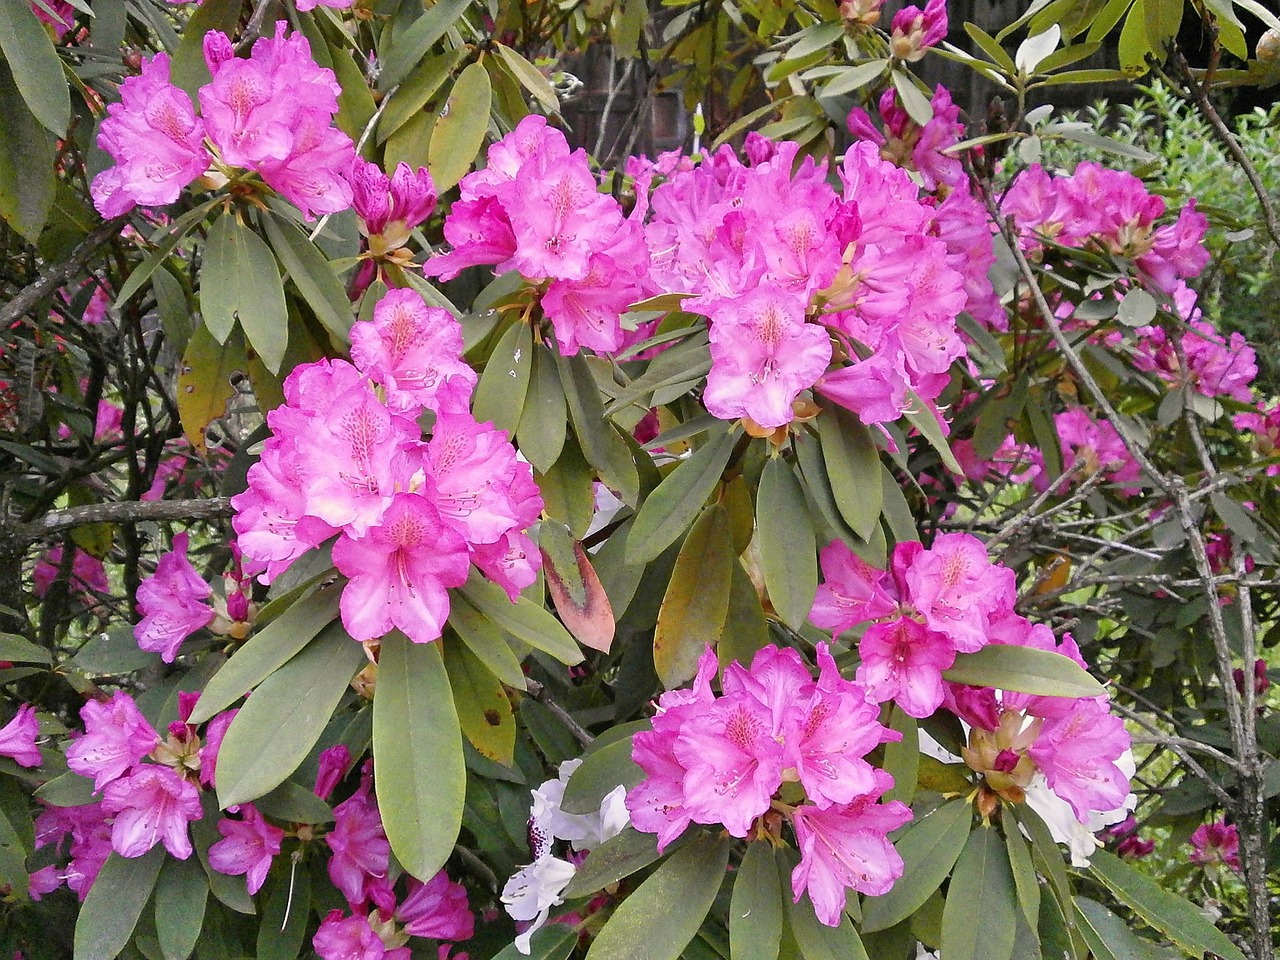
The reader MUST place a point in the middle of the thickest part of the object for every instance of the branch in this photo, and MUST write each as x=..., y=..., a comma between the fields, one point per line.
x=56, y=276
x=56, y=521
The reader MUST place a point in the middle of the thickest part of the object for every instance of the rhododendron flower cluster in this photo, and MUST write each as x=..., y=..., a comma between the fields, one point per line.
x=915, y=30
x=346, y=457
x=723, y=759
x=930, y=605
x=1216, y=366
x=536, y=208
x=389, y=208
x=1216, y=844
x=271, y=113
x=171, y=602
x=88, y=575
x=784, y=267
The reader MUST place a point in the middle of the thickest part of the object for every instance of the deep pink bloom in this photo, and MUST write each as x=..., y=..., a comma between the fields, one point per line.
x=333, y=766
x=116, y=737
x=846, y=847
x=763, y=354
x=437, y=909
x=88, y=576
x=214, y=731
x=852, y=591
x=400, y=571
x=1213, y=843
x=958, y=590
x=151, y=805
x=902, y=661
x=155, y=138
x=390, y=207
x=915, y=30
x=361, y=852
x=90, y=832
x=247, y=847
x=415, y=352
x=63, y=18
x=18, y=737
x=171, y=603
x=348, y=938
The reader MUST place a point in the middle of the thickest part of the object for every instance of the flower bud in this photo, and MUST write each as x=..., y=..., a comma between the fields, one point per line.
x=1268, y=49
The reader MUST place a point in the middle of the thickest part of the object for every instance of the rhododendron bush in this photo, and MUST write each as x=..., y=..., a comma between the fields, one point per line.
x=840, y=536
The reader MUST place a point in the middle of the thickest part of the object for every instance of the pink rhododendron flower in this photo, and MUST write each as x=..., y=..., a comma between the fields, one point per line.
x=351, y=938
x=913, y=30
x=437, y=909
x=18, y=737
x=361, y=853
x=1077, y=755
x=61, y=20
x=333, y=765
x=902, y=661
x=389, y=208
x=171, y=603
x=1214, y=843
x=247, y=847
x=116, y=738
x=214, y=731
x=155, y=138
x=89, y=828
x=152, y=805
x=88, y=576
x=958, y=590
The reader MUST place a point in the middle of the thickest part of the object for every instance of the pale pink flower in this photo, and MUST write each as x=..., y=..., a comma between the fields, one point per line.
x=18, y=737
x=171, y=603
x=116, y=737
x=1077, y=754
x=152, y=805
x=852, y=591
x=247, y=847
x=902, y=661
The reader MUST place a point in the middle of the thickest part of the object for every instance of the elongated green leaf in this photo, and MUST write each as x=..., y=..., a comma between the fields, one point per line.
x=311, y=273
x=13, y=850
x=619, y=857
x=574, y=587
x=544, y=422
x=418, y=87
x=114, y=903
x=672, y=507
x=1109, y=937
x=417, y=751
x=293, y=802
x=484, y=712
x=35, y=66
x=788, y=548
x=663, y=915
x=921, y=416
x=1024, y=670
x=485, y=640
x=746, y=631
x=530, y=78
x=1024, y=874
x=285, y=912
x=601, y=445
x=501, y=391
x=267, y=651
x=21, y=650
x=756, y=910
x=68, y=790
x=524, y=619
x=28, y=183
x=553, y=942
x=277, y=727
x=1173, y=916
x=928, y=849
x=182, y=892
x=853, y=467
x=696, y=603
x=240, y=282
x=854, y=78
x=601, y=772
x=164, y=239
x=981, y=916
x=902, y=757
x=460, y=129
x=410, y=48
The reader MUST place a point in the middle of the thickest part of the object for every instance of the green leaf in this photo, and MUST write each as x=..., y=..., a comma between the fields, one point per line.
x=854, y=78
x=746, y=631
x=617, y=858
x=21, y=650
x=484, y=711
x=267, y=651
x=756, y=910
x=602, y=771
x=601, y=445
x=277, y=727
x=355, y=103
x=286, y=909
x=992, y=48
x=501, y=391
x=164, y=239
x=928, y=849
x=312, y=274
x=921, y=416
x=544, y=421
x=902, y=757
x=555, y=941
x=669, y=510
x=696, y=603
x=530, y=77
x=1173, y=916
x=1024, y=873
x=980, y=919
x=35, y=66
x=485, y=640
x=1040, y=673
x=68, y=790
x=114, y=651
x=28, y=183
x=575, y=588
x=664, y=913
x=418, y=88
x=240, y=282
x=1109, y=937
x=853, y=467
x=524, y=619
x=417, y=751
x=460, y=129
x=13, y=851
x=410, y=48
x=788, y=547
x=182, y=892
x=913, y=101
x=568, y=489
x=294, y=803
x=114, y=903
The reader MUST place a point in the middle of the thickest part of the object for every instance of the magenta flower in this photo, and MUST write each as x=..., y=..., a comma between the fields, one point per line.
x=1214, y=843
x=116, y=737
x=415, y=352
x=846, y=847
x=247, y=847
x=852, y=591
x=214, y=731
x=389, y=208
x=333, y=765
x=1077, y=754
x=360, y=849
x=958, y=590
x=351, y=938
x=763, y=354
x=155, y=138
x=90, y=833
x=914, y=30
x=152, y=805
x=437, y=909
x=18, y=737
x=171, y=603
x=88, y=576
x=902, y=661
x=400, y=571
x=512, y=562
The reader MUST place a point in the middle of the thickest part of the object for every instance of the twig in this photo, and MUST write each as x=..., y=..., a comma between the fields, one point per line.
x=57, y=275
x=56, y=521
